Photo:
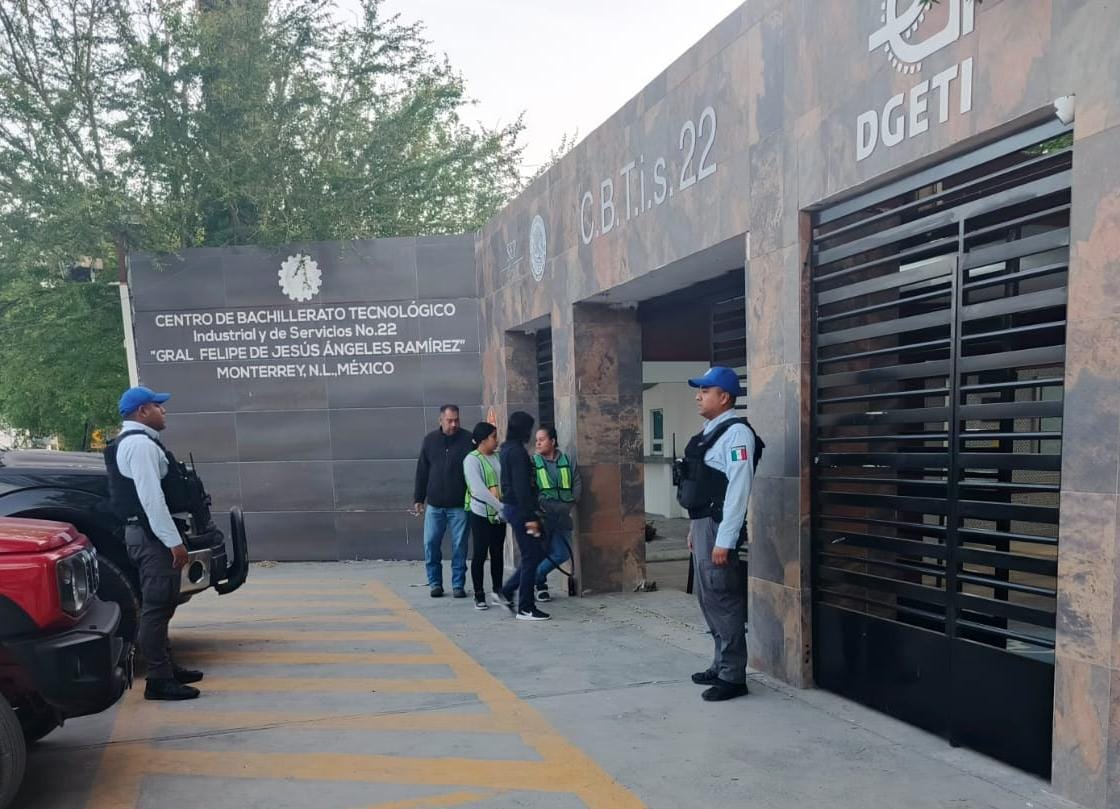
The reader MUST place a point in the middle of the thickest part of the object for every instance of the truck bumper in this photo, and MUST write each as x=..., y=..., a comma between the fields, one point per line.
x=237, y=569
x=83, y=670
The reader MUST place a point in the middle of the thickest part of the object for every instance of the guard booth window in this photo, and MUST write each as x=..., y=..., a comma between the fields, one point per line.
x=939, y=306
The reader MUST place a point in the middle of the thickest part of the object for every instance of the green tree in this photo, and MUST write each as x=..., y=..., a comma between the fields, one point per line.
x=190, y=123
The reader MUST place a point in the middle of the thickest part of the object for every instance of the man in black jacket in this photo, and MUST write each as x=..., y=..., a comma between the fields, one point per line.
x=440, y=484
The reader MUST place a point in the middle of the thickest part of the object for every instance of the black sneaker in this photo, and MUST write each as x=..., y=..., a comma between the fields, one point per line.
x=459, y=592
x=437, y=592
x=187, y=676
x=533, y=615
x=724, y=690
x=542, y=594
x=480, y=601
x=167, y=688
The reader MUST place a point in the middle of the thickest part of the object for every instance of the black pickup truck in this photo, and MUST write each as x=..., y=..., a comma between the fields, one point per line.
x=73, y=487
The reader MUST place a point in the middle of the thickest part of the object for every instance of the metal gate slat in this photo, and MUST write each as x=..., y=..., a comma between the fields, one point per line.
x=941, y=171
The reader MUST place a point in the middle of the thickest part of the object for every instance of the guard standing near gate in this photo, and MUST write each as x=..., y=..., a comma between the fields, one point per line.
x=143, y=479
x=714, y=484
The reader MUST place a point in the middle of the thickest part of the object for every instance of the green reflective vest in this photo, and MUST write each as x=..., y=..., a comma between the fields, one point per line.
x=491, y=481
x=555, y=489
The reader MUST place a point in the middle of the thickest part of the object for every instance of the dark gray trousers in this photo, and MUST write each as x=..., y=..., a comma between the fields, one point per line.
x=159, y=590
x=722, y=592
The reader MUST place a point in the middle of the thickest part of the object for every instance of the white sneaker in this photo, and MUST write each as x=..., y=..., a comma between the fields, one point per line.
x=535, y=615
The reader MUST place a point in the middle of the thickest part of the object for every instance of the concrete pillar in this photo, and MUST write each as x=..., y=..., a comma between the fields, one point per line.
x=779, y=638
x=597, y=368
x=1086, y=757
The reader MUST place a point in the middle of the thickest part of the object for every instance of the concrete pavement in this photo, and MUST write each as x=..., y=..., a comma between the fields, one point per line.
x=344, y=686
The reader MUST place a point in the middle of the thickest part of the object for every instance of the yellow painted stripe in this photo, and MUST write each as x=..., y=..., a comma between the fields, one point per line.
x=437, y=801
x=324, y=617
x=240, y=657
x=352, y=590
x=294, y=603
x=335, y=685
x=120, y=773
x=597, y=789
x=291, y=635
x=563, y=768
x=420, y=721
x=542, y=776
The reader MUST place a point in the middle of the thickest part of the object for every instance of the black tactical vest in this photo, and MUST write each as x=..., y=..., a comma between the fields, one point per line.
x=701, y=490
x=182, y=489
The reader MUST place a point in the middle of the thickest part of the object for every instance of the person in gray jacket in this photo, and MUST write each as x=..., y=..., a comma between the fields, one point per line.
x=483, y=471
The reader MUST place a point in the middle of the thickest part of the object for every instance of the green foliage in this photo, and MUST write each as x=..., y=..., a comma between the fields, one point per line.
x=1058, y=144
x=189, y=123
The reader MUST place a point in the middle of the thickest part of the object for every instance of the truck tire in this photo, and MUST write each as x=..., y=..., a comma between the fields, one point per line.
x=13, y=754
x=115, y=586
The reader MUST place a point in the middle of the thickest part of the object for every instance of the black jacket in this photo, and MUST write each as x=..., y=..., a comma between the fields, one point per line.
x=439, y=469
x=517, y=479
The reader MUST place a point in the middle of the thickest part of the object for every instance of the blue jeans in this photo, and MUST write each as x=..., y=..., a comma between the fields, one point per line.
x=531, y=550
x=557, y=554
x=436, y=522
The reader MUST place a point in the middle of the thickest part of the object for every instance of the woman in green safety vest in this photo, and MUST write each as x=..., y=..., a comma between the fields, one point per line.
x=483, y=470
x=558, y=488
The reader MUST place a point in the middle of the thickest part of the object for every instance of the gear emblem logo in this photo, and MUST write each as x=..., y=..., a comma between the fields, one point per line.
x=904, y=38
x=538, y=247
x=300, y=277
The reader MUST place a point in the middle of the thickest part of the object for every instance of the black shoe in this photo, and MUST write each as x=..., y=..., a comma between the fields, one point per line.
x=168, y=688
x=724, y=690
x=709, y=677
x=186, y=676
x=459, y=592
x=533, y=615
x=480, y=601
x=437, y=592
x=542, y=594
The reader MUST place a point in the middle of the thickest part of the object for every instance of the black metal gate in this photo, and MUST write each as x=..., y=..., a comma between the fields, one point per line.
x=939, y=342
x=546, y=415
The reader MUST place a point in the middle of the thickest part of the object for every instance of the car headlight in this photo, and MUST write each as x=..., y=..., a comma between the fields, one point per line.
x=77, y=581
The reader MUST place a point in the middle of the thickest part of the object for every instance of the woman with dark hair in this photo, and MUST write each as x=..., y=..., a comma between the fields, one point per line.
x=519, y=506
x=483, y=471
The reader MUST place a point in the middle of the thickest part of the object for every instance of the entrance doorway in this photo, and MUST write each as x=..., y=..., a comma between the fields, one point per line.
x=683, y=333
x=939, y=343
x=691, y=313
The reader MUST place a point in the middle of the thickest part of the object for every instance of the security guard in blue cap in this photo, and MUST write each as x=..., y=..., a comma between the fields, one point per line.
x=139, y=469
x=714, y=484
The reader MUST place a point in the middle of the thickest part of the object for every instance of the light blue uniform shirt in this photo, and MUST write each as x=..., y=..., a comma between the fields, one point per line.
x=732, y=454
x=145, y=464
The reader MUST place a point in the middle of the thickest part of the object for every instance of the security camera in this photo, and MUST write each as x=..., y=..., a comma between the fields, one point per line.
x=1064, y=108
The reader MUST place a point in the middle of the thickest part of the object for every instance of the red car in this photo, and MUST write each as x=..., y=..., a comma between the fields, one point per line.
x=61, y=654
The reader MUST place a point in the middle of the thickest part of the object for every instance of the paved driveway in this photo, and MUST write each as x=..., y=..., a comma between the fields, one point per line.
x=344, y=686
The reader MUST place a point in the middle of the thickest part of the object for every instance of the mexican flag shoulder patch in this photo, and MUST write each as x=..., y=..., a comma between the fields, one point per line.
x=738, y=454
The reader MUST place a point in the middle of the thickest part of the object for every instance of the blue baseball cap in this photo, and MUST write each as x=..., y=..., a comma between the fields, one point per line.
x=135, y=398
x=719, y=377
